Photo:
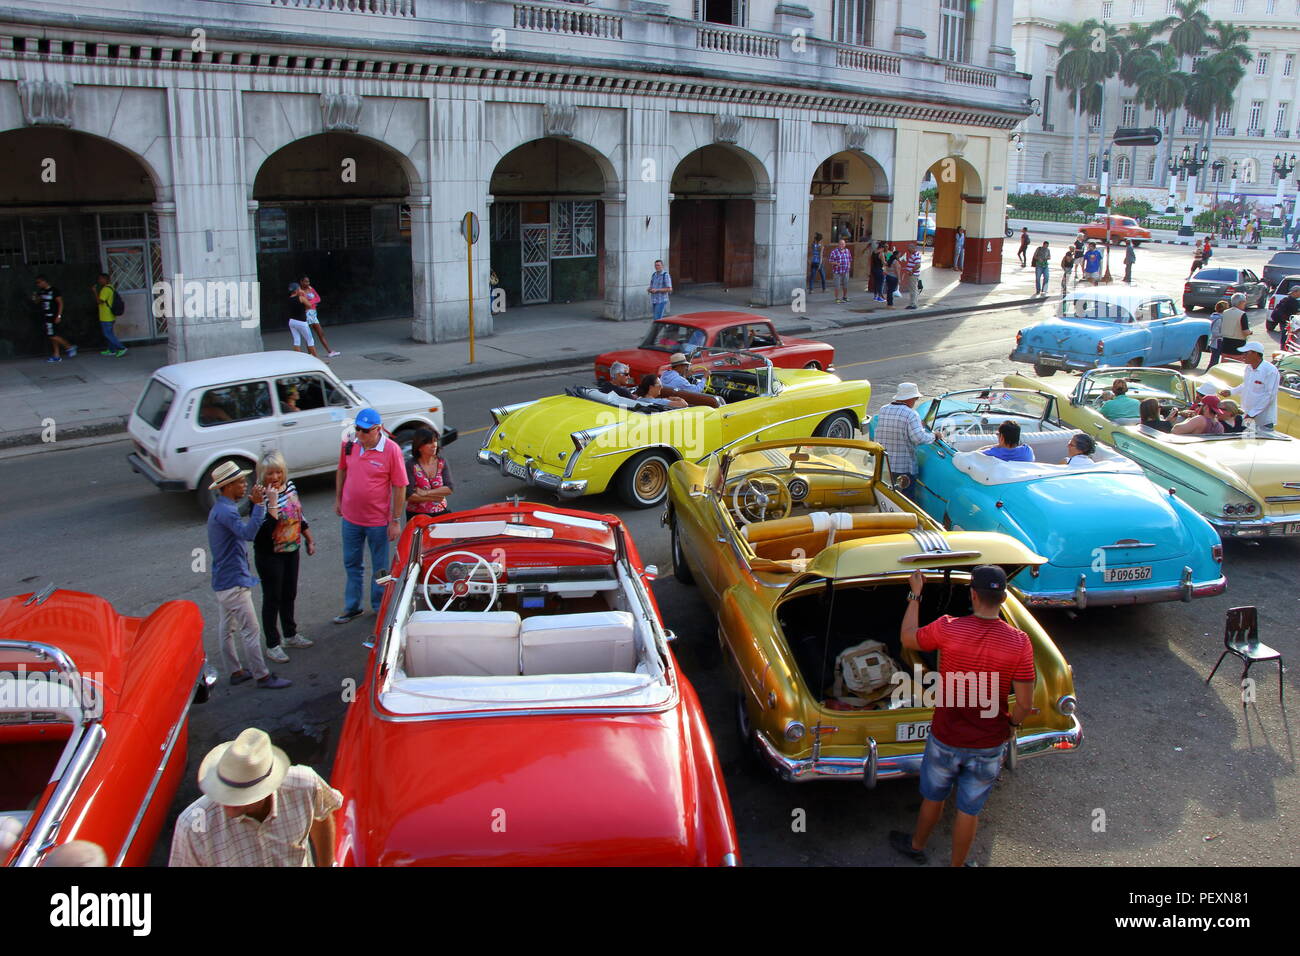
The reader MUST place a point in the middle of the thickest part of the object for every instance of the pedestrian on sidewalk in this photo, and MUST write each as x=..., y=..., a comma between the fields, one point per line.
x=876, y=284
x=959, y=249
x=1207, y=252
x=1042, y=259
x=256, y=810
x=276, y=550
x=1080, y=242
x=1236, y=326
x=968, y=738
x=232, y=583
x=299, y=327
x=369, y=496
x=912, y=276
x=1092, y=264
x=841, y=265
x=1024, y=245
x=1130, y=257
x=815, y=268
x=1067, y=268
x=312, y=299
x=49, y=301
x=1198, y=256
x=894, y=280
x=660, y=288
x=106, y=298
x=428, y=476
x=1215, y=338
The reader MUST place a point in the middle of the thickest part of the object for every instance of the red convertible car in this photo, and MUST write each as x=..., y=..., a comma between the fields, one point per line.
x=727, y=330
x=521, y=707
x=94, y=711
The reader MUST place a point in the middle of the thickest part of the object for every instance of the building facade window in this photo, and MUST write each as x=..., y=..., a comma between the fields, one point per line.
x=1047, y=102
x=852, y=22
x=1129, y=113
x=1238, y=6
x=1288, y=64
x=1256, y=111
x=1261, y=64
x=954, y=23
x=1047, y=167
x=1151, y=168
x=1270, y=8
x=731, y=12
x=1159, y=118
x=1216, y=173
x=1094, y=121
x=1225, y=120
x=1108, y=9
x=1248, y=172
x=1280, y=123
x=1092, y=166
x=1139, y=8
x=1169, y=6
x=1123, y=170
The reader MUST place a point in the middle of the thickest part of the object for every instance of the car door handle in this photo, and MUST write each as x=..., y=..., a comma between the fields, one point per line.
x=287, y=424
x=941, y=453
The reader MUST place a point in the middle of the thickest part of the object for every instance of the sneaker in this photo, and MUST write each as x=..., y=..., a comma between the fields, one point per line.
x=239, y=676
x=348, y=616
x=271, y=682
x=911, y=307
x=119, y=353
x=880, y=298
x=108, y=352
x=72, y=351
x=277, y=655
x=902, y=842
x=335, y=354
x=297, y=640
x=54, y=358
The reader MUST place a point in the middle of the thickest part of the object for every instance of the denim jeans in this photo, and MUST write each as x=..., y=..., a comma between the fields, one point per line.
x=107, y=329
x=1040, y=278
x=660, y=309
x=972, y=770
x=356, y=538
x=816, y=270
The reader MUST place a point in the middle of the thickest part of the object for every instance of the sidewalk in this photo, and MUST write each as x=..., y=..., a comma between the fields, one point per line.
x=93, y=395
x=1164, y=236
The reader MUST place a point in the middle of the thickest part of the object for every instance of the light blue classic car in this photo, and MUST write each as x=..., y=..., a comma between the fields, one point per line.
x=1111, y=536
x=1106, y=325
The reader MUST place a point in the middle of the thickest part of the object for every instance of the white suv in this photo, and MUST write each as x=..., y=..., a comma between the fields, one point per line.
x=195, y=415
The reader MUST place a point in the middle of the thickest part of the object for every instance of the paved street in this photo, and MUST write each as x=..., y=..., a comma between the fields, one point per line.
x=1171, y=772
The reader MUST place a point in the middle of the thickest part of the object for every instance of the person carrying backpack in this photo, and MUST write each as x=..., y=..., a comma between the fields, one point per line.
x=111, y=308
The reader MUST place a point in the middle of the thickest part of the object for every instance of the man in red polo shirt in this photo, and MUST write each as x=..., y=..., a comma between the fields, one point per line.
x=981, y=658
x=369, y=495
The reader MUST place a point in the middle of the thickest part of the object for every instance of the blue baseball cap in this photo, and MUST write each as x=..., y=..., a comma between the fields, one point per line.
x=368, y=418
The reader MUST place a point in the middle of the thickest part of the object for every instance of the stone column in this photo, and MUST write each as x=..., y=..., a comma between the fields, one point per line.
x=423, y=321
x=621, y=297
x=910, y=25
x=636, y=219
x=168, y=246
x=766, y=289
x=1002, y=56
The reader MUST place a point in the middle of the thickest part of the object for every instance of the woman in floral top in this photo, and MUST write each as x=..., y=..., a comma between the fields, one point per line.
x=428, y=476
x=275, y=553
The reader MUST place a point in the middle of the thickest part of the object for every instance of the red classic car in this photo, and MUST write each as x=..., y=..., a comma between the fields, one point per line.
x=521, y=707
x=727, y=330
x=94, y=711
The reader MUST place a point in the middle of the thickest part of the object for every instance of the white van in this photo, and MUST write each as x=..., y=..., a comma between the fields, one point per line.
x=195, y=415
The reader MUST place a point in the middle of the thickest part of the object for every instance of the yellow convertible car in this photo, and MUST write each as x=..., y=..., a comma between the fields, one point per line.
x=1247, y=487
x=1229, y=375
x=592, y=438
x=803, y=552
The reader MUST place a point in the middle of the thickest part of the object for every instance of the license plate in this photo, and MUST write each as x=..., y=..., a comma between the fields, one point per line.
x=516, y=469
x=1051, y=360
x=1293, y=528
x=1142, y=573
x=916, y=730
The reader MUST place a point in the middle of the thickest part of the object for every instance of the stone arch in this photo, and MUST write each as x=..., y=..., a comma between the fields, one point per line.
x=960, y=186
x=713, y=219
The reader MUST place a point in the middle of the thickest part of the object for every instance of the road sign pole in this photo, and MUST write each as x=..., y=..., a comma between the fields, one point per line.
x=469, y=229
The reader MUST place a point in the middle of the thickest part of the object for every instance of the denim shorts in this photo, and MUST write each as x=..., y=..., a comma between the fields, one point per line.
x=973, y=771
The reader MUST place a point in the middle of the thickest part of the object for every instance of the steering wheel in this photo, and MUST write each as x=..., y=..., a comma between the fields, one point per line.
x=463, y=586
x=760, y=497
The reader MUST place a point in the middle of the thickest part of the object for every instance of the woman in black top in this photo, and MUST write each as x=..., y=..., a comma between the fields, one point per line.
x=276, y=551
x=1150, y=411
x=877, y=287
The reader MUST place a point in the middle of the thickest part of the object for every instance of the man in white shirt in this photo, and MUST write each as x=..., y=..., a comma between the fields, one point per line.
x=899, y=431
x=1258, y=389
x=675, y=377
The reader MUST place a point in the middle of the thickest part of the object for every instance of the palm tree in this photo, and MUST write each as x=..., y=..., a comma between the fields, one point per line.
x=1213, y=85
x=1161, y=85
x=1138, y=51
x=1188, y=27
x=1072, y=67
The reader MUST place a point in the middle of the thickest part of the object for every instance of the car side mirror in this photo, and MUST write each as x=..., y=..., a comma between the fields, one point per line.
x=651, y=572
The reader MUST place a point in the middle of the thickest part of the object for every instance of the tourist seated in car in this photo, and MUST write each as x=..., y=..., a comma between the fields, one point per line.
x=211, y=411
x=1008, y=447
x=1202, y=422
x=677, y=377
x=649, y=393
x=289, y=403
x=1232, y=422
x=1151, y=417
x=1078, y=453
x=1123, y=405
x=620, y=381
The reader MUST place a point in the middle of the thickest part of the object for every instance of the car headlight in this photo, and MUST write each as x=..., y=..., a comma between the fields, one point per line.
x=1067, y=705
x=794, y=731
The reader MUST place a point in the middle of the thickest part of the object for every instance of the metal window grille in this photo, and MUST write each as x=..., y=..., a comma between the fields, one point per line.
x=302, y=228
x=953, y=23
x=561, y=230
x=42, y=241
x=851, y=22
x=356, y=227
x=584, y=228
x=505, y=221
x=1108, y=10
x=118, y=226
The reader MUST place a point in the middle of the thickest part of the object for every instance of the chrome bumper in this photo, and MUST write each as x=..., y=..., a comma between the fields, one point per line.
x=1271, y=526
x=1066, y=363
x=142, y=467
x=870, y=767
x=562, y=487
x=1081, y=597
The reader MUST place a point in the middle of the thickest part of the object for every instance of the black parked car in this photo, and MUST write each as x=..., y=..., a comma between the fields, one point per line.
x=1210, y=285
x=1282, y=264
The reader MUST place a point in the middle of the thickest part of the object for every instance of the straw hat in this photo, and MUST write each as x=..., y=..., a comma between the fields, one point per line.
x=225, y=473
x=244, y=770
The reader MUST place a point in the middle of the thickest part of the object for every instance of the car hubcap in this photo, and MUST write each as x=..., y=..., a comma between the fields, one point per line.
x=839, y=429
x=650, y=480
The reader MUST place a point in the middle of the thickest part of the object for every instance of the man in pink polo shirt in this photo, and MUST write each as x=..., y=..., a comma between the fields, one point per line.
x=369, y=495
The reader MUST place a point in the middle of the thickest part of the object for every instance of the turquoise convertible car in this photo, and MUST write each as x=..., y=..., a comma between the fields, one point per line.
x=1111, y=536
x=1105, y=325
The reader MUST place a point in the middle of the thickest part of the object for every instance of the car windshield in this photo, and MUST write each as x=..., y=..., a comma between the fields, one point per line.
x=970, y=407
x=1217, y=275
x=673, y=337
x=760, y=483
x=1142, y=383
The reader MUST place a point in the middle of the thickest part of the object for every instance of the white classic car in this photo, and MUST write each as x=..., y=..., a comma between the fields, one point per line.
x=194, y=415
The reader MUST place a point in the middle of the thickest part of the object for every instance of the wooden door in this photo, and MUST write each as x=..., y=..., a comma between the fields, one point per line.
x=695, y=238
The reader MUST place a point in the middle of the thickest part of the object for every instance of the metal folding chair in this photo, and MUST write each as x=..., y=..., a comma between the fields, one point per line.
x=1241, y=638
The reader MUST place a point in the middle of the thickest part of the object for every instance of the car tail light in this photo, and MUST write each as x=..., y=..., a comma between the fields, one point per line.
x=1216, y=552
x=1230, y=290
x=1101, y=348
x=1187, y=287
x=1019, y=336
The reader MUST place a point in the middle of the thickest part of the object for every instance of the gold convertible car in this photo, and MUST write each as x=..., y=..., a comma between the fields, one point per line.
x=803, y=552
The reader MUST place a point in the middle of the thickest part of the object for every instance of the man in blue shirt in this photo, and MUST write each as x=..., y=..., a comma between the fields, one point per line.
x=1092, y=263
x=228, y=537
x=1008, y=447
x=661, y=287
x=675, y=377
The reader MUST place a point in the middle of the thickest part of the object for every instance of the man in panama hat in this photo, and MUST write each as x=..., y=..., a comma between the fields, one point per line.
x=256, y=810
x=228, y=537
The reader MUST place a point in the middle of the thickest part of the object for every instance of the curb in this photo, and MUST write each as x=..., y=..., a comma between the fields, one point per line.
x=466, y=375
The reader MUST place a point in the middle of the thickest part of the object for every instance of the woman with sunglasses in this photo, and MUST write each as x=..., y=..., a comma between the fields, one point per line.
x=428, y=476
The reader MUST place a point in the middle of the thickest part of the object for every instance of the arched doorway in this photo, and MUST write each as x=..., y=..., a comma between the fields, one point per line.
x=333, y=207
x=959, y=186
x=71, y=206
x=849, y=200
x=711, y=217
x=548, y=222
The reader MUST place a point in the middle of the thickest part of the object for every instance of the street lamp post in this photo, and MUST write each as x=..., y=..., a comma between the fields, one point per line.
x=1190, y=163
x=1105, y=202
x=1218, y=166
x=1295, y=217
x=1232, y=196
x=1282, y=166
